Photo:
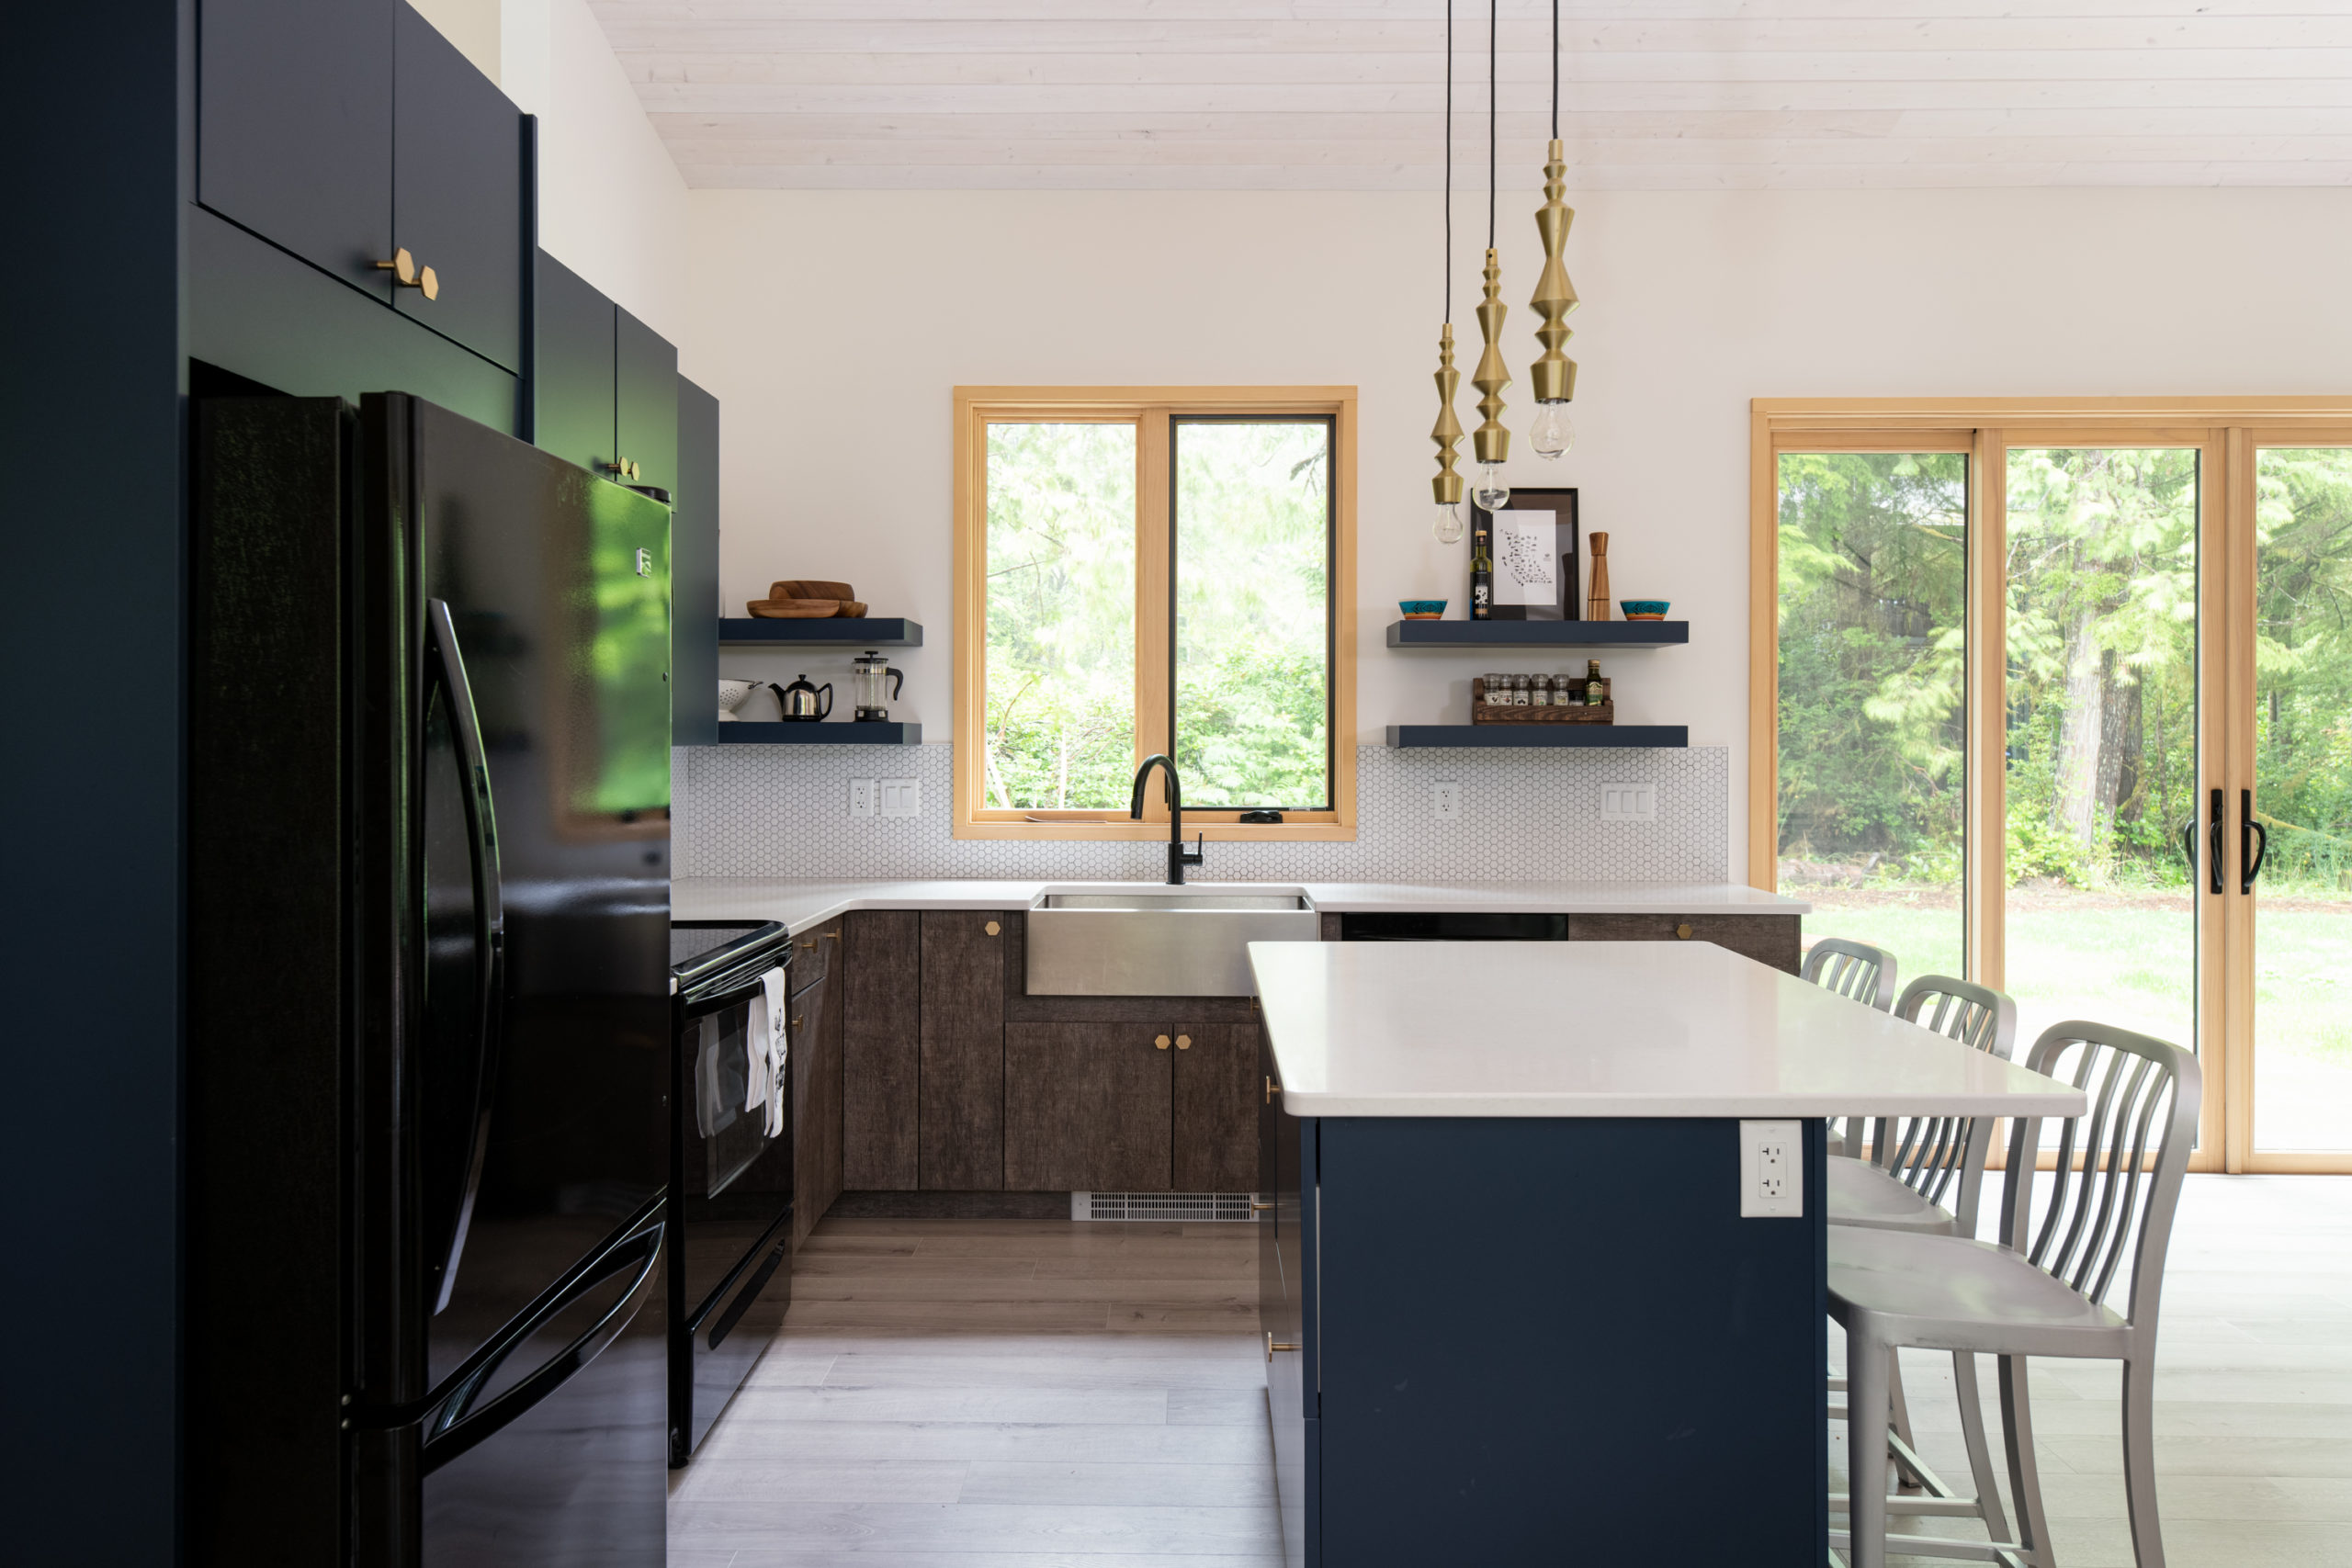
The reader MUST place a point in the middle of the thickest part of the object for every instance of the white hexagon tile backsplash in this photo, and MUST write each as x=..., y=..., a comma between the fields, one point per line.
x=1530, y=815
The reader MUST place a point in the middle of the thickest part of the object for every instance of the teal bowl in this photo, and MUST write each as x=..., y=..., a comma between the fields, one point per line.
x=1645, y=609
x=1421, y=609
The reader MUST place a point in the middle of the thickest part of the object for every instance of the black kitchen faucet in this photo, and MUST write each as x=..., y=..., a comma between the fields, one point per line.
x=1178, y=857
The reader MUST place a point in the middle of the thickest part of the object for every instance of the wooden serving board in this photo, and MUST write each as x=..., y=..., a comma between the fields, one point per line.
x=1575, y=713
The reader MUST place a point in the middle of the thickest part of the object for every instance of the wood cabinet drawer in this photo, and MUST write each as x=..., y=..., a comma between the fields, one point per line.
x=1767, y=939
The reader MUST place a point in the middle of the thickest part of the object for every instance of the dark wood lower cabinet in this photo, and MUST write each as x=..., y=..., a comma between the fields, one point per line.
x=817, y=1080
x=1216, y=1107
x=962, y=1133
x=1086, y=1107
x=881, y=1049
x=1767, y=939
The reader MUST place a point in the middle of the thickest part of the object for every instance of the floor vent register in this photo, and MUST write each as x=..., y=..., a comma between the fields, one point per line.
x=1164, y=1207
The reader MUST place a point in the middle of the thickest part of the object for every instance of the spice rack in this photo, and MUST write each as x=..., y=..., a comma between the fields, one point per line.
x=1484, y=712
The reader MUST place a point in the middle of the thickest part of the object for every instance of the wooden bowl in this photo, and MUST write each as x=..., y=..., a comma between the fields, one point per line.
x=794, y=609
x=853, y=608
x=811, y=589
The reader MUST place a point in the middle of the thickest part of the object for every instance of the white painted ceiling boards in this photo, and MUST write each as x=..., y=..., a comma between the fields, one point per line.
x=1347, y=94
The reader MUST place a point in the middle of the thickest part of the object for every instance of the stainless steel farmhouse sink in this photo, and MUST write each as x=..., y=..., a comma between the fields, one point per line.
x=1157, y=941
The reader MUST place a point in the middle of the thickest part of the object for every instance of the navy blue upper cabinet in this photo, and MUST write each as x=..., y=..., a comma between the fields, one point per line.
x=645, y=401
x=458, y=192
x=295, y=127
x=572, y=374
x=348, y=131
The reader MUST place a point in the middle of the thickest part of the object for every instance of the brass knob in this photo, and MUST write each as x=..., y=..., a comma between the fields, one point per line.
x=1184, y=1042
x=402, y=266
x=992, y=928
x=1258, y=1207
x=1683, y=931
x=796, y=1023
x=1273, y=1345
x=809, y=943
x=1159, y=1041
x=1272, y=1087
x=832, y=936
x=430, y=282
x=626, y=468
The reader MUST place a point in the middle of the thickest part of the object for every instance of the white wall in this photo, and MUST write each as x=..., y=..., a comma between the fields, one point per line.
x=833, y=324
x=612, y=205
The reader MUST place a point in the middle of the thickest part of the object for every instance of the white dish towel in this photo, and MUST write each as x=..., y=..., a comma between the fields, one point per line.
x=779, y=1043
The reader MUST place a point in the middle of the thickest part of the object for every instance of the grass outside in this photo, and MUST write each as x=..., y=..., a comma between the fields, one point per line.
x=2128, y=958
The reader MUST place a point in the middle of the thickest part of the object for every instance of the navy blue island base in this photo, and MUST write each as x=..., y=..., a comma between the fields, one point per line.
x=1535, y=1340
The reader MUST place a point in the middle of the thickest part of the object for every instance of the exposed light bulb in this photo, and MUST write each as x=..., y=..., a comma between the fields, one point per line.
x=1489, y=489
x=1553, y=432
x=1447, y=525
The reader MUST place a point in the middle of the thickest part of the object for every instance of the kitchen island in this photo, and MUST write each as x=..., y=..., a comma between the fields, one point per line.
x=1514, y=1310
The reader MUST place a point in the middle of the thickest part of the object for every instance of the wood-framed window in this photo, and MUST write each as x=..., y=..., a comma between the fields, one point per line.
x=2009, y=660
x=1154, y=570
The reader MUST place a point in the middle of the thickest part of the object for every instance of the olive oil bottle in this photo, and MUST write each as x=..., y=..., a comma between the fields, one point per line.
x=1482, y=570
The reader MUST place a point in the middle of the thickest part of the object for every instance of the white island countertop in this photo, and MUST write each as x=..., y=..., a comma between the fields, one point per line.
x=800, y=905
x=1604, y=1029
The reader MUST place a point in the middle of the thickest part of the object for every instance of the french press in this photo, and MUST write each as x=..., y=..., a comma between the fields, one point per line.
x=869, y=673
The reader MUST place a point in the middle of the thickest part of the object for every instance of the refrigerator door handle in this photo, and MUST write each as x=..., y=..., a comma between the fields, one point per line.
x=455, y=1425
x=489, y=918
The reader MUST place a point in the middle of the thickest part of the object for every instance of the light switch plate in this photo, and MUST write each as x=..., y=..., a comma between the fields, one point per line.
x=901, y=798
x=1771, y=1170
x=861, y=798
x=1629, y=803
x=1446, y=799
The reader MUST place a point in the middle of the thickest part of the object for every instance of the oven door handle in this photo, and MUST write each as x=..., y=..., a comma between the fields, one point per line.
x=448, y=665
x=454, y=1423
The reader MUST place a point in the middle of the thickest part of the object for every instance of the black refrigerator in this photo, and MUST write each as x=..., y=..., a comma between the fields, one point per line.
x=427, y=1073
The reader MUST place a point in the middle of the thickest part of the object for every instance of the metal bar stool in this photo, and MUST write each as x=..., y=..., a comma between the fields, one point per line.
x=2040, y=1291
x=1915, y=1167
x=1859, y=973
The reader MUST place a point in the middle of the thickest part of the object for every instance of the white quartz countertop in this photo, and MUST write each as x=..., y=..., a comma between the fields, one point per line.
x=1604, y=1029
x=800, y=905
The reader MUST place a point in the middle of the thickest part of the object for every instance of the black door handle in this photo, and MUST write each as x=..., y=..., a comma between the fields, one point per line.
x=2213, y=846
x=2250, y=861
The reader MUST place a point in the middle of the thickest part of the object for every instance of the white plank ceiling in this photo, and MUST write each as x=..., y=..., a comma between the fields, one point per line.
x=1348, y=95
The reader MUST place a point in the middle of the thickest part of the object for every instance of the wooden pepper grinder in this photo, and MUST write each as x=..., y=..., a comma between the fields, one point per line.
x=1596, y=598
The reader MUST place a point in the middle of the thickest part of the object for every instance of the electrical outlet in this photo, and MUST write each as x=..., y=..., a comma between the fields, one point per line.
x=1629, y=803
x=861, y=798
x=901, y=798
x=1447, y=799
x=1771, y=1170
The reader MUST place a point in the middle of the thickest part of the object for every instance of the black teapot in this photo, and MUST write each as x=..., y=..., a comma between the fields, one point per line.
x=799, y=701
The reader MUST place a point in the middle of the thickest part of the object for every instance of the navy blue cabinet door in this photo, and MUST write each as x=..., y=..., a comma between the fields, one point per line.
x=645, y=400
x=572, y=375
x=295, y=127
x=457, y=193
x=693, y=573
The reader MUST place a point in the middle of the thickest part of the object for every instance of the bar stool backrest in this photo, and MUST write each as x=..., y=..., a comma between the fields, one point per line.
x=2118, y=1169
x=1854, y=970
x=1942, y=1157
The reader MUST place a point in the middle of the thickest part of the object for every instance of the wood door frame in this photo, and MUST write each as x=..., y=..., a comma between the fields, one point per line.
x=2228, y=433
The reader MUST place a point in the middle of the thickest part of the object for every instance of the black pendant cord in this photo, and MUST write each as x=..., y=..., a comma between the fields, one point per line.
x=1494, y=45
x=1556, y=70
x=1448, y=313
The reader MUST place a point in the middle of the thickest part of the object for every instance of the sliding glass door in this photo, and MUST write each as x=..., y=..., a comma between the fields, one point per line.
x=2058, y=696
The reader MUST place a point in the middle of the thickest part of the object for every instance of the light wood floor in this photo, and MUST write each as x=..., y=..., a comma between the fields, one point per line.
x=988, y=1393
x=982, y=1394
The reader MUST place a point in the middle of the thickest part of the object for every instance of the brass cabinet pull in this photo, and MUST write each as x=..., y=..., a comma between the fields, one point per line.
x=809, y=943
x=1258, y=1207
x=1683, y=931
x=429, y=282
x=830, y=936
x=992, y=928
x=402, y=266
x=796, y=1023
x=1273, y=1345
x=1159, y=1041
x=1272, y=1090
x=625, y=468
x=1184, y=1042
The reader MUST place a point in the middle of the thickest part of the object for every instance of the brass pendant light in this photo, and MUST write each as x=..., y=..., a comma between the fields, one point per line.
x=1552, y=376
x=1447, y=433
x=1490, y=442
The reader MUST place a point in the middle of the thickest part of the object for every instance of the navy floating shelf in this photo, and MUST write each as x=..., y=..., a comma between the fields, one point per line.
x=833, y=631
x=776, y=733
x=1515, y=735
x=1538, y=634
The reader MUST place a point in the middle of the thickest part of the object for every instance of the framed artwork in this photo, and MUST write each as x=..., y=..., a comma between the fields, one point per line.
x=1536, y=545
